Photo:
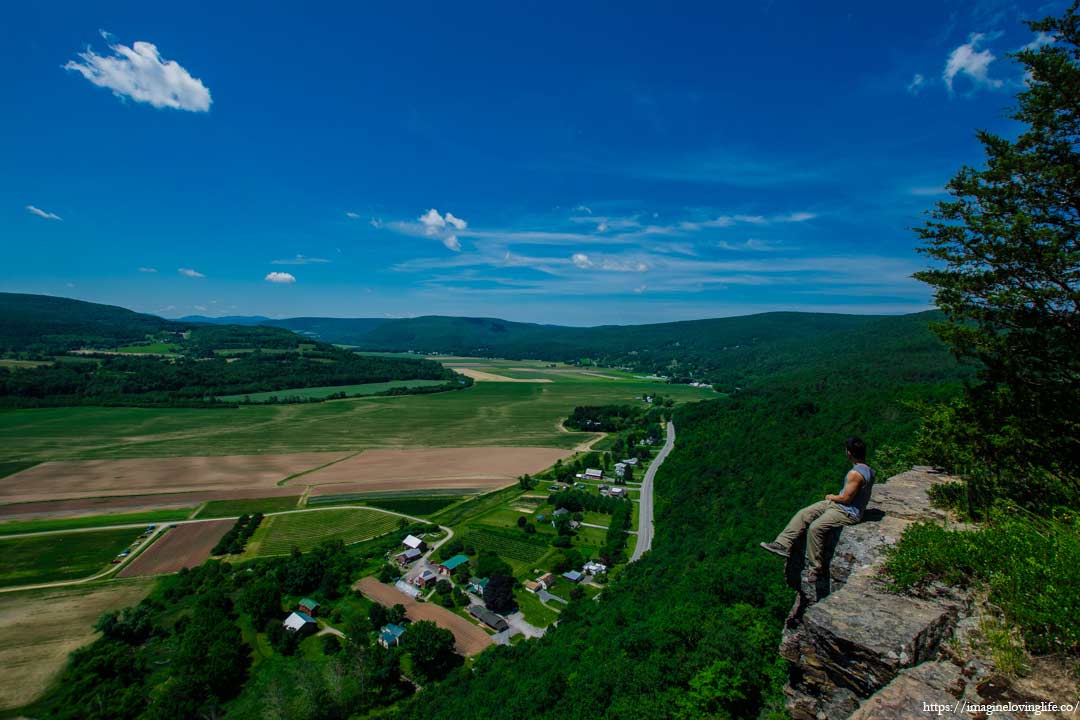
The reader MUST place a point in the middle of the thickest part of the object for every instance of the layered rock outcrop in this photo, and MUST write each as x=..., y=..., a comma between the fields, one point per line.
x=857, y=650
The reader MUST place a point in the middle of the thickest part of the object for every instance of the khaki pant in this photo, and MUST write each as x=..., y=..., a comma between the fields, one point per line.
x=817, y=521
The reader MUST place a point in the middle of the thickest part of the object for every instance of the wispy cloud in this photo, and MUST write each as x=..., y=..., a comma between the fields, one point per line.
x=43, y=213
x=300, y=260
x=280, y=278
x=147, y=270
x=188, y=272
x=140, y=73
x=968, y=60
x=352, y=215
x=917, y=84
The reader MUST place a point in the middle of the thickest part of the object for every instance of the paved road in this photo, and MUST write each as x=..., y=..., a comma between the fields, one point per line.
x=645, y=520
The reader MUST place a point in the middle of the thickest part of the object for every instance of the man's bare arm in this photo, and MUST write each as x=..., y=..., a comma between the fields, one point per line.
x=852, y=484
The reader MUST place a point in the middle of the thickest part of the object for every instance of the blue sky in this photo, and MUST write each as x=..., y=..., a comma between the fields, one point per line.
x=575, y=163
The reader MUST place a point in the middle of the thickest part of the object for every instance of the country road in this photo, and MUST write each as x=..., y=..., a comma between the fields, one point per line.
x=645, y=520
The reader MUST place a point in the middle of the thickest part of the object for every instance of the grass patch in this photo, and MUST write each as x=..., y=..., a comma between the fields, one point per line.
x=1029, y=566
x=533, y=610
x=313, y=393
x=279, y=534
x=235, y=508
x=16, y=527
x=417, y=506
x=154, y=348
x=66, y=556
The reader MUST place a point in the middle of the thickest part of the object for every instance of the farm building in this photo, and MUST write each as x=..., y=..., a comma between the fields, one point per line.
x=617, y=492
x=532, y=586
x=448, y=566
x=299, y=622
x=547, y=580
x=573, y=576
x=620, y=469
x=407, y=589
x=477, y=585
x=411, y=555
x=425, y=578
x=594, y=474
x=630, y=461
x=390, y=635
x=411, y=542
x=309, y=606
x=594, y=568
x=493, y=621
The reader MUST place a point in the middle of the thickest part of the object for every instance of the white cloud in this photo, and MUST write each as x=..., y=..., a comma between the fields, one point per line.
x=352, y=215
x=457, y=222
x=148, y=270
x=437, y=225
x=376, y=223
x=280, y=278
x=200, y=308
x=917, y=84
x=433, y=221
x=451, y=242
x=581, y=260
x=968, y=60
x=300, y=260
x=140, y=73
x=602, y=227
x=795, y=217
x=188, y=272
x=42, y=213
x=1043, y=38
x=583, y=208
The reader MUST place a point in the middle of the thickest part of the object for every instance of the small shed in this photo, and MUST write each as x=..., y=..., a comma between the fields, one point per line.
x=390, y=635
x=308, y=606
x=594, y=474
x=573, y=576
x=448, y=566
x=561, y=512
x=298, y=622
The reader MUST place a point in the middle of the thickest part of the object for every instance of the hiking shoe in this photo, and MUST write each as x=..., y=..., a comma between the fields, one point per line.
x=775, y=548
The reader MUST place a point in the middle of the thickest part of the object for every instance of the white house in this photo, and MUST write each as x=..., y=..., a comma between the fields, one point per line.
x=594, y=568
x=620, y=469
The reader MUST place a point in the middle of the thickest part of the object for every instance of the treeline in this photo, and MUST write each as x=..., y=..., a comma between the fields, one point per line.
x=234, y=541
x=578, y=500
x=132, y=379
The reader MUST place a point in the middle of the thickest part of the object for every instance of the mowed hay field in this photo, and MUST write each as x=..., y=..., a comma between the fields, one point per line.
x=489, y=413
x=184, y=546
x=279, y=534
x=69, y=479
x=54, y=557
x=40, y=627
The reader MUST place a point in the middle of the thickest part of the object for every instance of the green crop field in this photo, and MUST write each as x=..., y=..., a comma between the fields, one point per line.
x=236, y=508
x=417, y=506
x=155, y=348
x=279, y=534
x=512, y=546
x=489, y=413
x=14, y=527
x=63, y=556
x=322, y=392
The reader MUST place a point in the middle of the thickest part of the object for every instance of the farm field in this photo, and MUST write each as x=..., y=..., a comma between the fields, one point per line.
x=97, y=478
x=279, y=534
x=235, y=508
x=15, y=527
x=487, y=414
x=182, y=546
x=476, y=467
x=322, y=392
x=416, y=505
x=34, y=652
x=521, y=551
x=114, y=503
x=63, y=556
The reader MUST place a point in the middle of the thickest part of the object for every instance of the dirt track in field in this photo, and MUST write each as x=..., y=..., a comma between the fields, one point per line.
x=481, y=376
x=68, y=479
x=182, y=546
x=431, y=468
x=39, y=629
x=469, y=639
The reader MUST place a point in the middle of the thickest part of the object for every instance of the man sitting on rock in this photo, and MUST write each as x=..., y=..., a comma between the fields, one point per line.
x=834, y=512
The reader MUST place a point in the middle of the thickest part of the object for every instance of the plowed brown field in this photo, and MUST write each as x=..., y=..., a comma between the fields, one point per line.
x=182, y=546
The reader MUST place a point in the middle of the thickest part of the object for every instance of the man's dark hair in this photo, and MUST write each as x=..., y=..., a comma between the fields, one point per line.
x=856, y=447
